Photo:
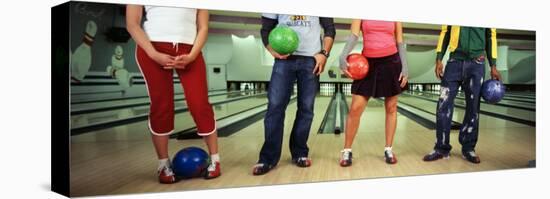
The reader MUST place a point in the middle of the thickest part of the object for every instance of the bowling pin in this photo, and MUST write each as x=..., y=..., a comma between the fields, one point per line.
x=81, y=58
x=123, y=78
x=117, y=71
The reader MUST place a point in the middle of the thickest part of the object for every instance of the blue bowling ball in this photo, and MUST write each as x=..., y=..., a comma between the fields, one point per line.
x=190, y=162
x=492, y=91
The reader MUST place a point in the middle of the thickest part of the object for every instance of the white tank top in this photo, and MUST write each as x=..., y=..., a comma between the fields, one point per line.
x=170, y=24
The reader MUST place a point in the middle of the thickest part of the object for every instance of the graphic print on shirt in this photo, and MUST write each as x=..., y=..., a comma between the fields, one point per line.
x=299, y=20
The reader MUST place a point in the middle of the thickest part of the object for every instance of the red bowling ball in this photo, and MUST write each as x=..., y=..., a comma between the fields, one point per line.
x=358, y=66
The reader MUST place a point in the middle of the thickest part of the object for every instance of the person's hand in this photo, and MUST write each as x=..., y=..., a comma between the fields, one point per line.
x=181, y=61
x=320, y=61
x=403, y=79
x=495, y=74
x=438, y=69
x=347, y=73
x=344, y=66
x=276, y=54
x=163, y=59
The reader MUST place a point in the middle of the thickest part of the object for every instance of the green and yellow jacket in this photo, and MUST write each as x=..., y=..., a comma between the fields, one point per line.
x=467, y=43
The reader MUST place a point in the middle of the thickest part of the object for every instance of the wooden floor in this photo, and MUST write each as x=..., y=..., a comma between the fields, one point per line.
x=122, y=160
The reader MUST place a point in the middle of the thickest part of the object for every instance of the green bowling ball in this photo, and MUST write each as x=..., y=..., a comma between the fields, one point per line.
x=283, y=40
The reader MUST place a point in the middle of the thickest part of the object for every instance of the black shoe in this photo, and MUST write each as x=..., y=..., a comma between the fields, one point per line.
x=346, y=158
x=436, y=155
x=302, y=162
x=471, y=156
x=261, y=168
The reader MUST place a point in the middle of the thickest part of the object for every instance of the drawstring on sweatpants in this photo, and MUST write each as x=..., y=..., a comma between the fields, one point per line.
x=175, y=45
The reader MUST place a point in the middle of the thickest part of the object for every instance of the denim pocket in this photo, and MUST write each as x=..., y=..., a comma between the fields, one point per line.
x=453, y=70
x=480, y=62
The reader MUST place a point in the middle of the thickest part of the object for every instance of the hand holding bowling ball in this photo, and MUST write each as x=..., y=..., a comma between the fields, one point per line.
x=358, y=66
x=494, y=73
x=275, y=54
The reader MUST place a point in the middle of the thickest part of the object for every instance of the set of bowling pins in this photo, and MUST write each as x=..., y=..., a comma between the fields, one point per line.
x=117, y=71
x=81, y=58
x=326, y=89
x=247, y=86
x=434, y=87
x=346, y=89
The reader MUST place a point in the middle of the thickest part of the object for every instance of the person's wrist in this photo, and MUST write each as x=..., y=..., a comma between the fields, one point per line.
x=151, y=53
x=324, y=53
x=193, y=55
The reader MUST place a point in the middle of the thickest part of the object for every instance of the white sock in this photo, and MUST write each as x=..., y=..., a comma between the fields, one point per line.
x=347, y=150
x=388, y=148
x=215, y=157
x=164, y=163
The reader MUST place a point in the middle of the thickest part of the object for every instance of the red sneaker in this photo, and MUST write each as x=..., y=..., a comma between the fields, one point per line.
x=213, y=171
x=167, y=176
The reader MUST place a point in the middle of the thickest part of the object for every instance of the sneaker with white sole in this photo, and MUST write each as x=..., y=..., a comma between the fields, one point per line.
x=166, y=175
x=471, y=156
x=302, y=162
x=390, y=157
x=435, y=155
x=346, y=159
x=213, y=171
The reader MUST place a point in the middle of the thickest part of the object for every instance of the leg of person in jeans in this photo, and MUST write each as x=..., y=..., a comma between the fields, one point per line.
x=307, y=89
x=473, y=79
x=445, y=105
x=278, y=95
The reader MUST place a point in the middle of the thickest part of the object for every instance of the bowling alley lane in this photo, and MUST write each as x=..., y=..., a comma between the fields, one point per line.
x=458, y=113
x=96, y=117
x=501, y=110
x=502, y=145
x=139, y=130
x=505, y=101
x=124, y=101
x=508, y=99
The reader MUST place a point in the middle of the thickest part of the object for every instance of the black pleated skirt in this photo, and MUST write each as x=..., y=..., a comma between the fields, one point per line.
x=382, y=79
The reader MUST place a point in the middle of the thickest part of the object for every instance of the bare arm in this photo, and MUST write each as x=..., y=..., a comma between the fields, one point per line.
x=133, y=25
x=202, y=33
x=355, y=27
x=398, y=32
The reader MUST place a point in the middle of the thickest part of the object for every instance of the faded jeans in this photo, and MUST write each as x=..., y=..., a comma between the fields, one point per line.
x=468, y=74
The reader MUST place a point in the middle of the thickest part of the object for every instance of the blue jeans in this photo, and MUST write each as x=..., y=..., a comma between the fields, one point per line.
x=285, y=73
x=468, y=74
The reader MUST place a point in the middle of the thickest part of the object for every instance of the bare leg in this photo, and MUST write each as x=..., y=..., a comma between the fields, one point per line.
x=358, y=104
x=161, y=146
x=390, y=104
x=212, y=142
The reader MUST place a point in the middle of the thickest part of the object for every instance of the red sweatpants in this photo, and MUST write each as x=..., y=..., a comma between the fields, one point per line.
x=160, y=86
